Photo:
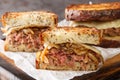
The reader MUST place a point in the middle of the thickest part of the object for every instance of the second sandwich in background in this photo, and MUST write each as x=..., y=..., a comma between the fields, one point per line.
x=103, y=16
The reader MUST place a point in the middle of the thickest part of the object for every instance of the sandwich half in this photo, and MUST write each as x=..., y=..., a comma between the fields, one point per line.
x=23, y=29
x=67, y=53
x=69, y=56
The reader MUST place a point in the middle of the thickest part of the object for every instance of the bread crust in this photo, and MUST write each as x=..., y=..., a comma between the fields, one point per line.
x=29, y=19
x=109, y=44
x=91, y=12
x=51, y=67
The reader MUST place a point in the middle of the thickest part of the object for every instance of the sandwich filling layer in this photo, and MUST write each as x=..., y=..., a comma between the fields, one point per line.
x=68, y=56
x=30, y=38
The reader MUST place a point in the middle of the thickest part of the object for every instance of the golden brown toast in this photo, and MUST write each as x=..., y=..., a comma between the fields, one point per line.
x=29, y=19
x=90, y=12
x=73, y=35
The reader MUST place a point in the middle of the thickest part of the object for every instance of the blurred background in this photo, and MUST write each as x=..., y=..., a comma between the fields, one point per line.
x=56, y=6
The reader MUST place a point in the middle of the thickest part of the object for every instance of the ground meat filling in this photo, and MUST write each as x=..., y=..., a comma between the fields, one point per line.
x=63, y=56
x=30, y=37
x=111, y=32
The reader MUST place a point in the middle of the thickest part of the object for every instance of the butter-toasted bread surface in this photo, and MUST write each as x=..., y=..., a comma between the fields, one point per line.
x=73, y=35
x=91, y=12
x=29, y=19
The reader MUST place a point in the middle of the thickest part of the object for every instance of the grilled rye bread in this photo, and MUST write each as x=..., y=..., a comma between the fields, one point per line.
x=23, y=29
x=76, y=35
x=20, y=20
x=92, y=12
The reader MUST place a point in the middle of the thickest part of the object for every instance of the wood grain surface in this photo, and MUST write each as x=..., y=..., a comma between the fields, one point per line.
x=9, y=66
x=109, y=71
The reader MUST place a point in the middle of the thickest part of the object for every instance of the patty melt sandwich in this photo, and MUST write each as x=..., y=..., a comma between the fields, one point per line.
x=23, y=29
x=103, y=16
x=64, y=49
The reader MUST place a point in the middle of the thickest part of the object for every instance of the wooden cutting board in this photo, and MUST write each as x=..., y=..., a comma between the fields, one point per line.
x=12, y=70
x=109, y=71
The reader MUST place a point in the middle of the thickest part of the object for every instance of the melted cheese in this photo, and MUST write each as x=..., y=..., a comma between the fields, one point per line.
x=38, y=55
x=116, y=38
x=98, y=25
x=93, y=58
x=42, y=54
x=26, y=31
x=42, y=57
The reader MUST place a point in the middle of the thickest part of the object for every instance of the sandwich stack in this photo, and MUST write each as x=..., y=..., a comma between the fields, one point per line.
x=103, y=16
x=58, y=48
x=23, y=29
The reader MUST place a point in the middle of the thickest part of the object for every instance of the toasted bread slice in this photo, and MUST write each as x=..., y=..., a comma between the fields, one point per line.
x=91, y=12
x=67, y=56
x=72, y=35
x=29, y=19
